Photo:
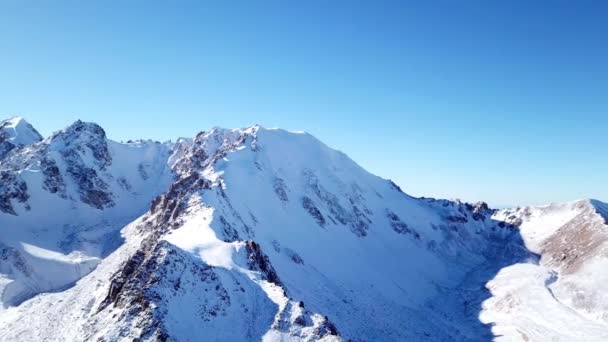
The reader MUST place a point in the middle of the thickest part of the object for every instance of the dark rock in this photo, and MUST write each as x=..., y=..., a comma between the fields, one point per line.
x=280, y=189
x=396, y=223
x=258, y=261
x=11, y=188
x=310, y=207
x=53, y=180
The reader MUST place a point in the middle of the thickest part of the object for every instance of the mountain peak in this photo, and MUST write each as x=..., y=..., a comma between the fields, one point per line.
x=18, y=131
x=82, y=126
x=80, y=131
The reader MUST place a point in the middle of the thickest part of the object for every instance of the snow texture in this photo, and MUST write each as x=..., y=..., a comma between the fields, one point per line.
x=263, y=234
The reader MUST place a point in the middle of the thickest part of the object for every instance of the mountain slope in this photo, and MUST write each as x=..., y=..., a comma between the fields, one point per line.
x=562, y=297
x=257, y=234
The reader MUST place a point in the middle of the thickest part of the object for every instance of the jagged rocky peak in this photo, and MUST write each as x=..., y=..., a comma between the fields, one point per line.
x=81, y=127
x=84, y=134
x=77, y=133
x=207, y=147
x=79, y=164
x=19, y=131
x=15, y=132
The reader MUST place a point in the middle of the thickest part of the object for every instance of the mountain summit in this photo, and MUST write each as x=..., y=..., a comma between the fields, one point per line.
x=263, y=234
x=16, y=132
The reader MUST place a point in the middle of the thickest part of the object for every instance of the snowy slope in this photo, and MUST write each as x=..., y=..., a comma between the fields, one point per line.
x=344, y=241
x=562, y=298
x=264, y=234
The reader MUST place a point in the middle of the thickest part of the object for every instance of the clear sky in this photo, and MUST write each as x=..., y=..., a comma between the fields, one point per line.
x=502, y=101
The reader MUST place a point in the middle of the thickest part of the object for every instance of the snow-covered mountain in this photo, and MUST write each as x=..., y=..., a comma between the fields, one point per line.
x=16, y=132
x=264, y=234
x=63, y=201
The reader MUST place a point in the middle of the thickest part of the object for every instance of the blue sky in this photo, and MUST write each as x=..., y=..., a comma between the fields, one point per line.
x=502, y=101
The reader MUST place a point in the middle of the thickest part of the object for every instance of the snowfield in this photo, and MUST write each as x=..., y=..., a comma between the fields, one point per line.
x=263, y=234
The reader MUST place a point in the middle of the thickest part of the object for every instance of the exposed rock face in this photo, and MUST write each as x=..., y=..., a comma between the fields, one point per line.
x=82, y=150
x=310, y=207
x=83, y=134
x=281, y=189
x=398, y=225
x=5, y=145
x=53, y=179
x=577, y=241
x=15, y=134
x=82, y=141
x=258, y=261
x=11, y=188
x=76, y=165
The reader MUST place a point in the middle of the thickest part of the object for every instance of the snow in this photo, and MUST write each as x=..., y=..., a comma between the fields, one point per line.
x=548, y=300
x=365, y=283
x=539, y=223
x=52, y=271
x=61, y=316
x=523, y=308
x=55, y=240
x=346, y=244
x=197, y=237
x=19, y=131
x=584, y=292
